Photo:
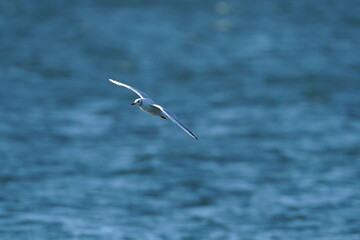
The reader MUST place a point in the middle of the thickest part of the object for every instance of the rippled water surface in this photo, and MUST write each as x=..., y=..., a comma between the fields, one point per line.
x=271, y=88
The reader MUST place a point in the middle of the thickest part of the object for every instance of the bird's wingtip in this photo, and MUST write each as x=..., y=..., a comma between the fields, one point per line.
x=113, y=81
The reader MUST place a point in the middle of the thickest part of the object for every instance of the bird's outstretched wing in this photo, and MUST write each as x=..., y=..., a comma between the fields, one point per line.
x=137, y=91
x=174, y=119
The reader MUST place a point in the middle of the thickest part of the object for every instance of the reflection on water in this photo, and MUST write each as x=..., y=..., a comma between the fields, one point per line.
x=270, y=89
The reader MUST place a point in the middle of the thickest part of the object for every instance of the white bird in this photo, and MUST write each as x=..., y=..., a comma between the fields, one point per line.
x=146, y=104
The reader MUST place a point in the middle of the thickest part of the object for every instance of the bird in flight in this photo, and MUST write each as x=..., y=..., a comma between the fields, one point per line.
x=146, y=104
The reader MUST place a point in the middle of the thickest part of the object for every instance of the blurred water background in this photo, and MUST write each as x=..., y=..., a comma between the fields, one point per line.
x=271, y=88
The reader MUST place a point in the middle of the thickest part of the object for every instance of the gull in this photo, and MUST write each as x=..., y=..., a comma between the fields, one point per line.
x=146, y=104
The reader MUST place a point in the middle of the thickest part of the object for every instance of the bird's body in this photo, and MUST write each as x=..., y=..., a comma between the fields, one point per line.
x=146, y=104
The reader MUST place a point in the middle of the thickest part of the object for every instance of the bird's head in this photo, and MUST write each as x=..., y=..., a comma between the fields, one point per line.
x=137, y=102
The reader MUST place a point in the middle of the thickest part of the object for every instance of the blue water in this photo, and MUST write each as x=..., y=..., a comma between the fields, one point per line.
x=271, y=88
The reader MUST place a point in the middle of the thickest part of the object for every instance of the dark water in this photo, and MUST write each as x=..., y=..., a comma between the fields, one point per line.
x=271, y=88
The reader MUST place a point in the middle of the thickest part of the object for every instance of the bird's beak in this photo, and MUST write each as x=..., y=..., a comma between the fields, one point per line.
x=132, y=103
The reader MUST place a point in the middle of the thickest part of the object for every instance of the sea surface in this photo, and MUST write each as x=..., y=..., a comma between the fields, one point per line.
x=271, y=89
